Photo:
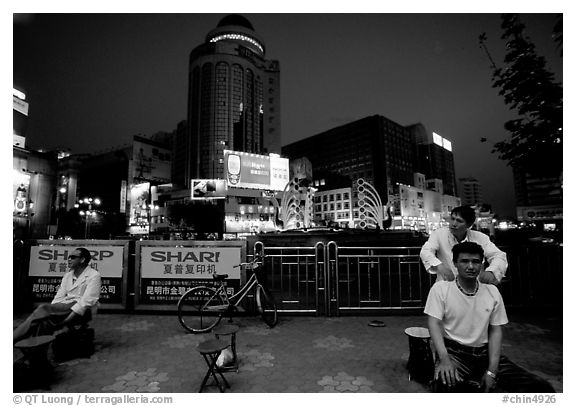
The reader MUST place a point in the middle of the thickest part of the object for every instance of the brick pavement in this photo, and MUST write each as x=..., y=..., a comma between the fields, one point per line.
x=152, y=353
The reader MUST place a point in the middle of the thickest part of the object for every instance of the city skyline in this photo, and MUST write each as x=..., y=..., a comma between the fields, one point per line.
x=109, y=77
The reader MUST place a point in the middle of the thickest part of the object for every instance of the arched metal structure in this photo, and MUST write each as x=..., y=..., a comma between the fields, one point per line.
x=371, y=214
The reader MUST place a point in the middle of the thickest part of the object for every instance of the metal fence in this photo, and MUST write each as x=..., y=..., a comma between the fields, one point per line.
x=363, y=279
x=331, y=280
x=296, y=276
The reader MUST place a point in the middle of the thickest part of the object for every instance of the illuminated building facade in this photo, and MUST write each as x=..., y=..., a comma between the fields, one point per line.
x=33, y=179
x=423, y=209
x=233, y=101
x=335, y=206
x=412, y=171
x=33, y=192
x=124, y=179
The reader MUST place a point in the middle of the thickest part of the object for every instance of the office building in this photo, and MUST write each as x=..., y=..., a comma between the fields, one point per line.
x=233, y=101
x=398, y=161
x=470, y=191
x=434, y=157
x=539, y=197
x=373, y=148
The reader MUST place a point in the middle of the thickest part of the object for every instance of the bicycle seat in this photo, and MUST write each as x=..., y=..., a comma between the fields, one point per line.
x=220, y=277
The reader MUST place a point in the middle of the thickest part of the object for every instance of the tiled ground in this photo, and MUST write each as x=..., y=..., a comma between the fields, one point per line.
x=152, y=353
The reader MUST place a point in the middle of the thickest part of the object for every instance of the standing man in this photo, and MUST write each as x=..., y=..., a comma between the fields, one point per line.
x=78, y=292
x=465, y=320
x=436, y=253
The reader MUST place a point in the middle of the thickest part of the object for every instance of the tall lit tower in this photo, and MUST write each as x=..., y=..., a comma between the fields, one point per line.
x=233, y=100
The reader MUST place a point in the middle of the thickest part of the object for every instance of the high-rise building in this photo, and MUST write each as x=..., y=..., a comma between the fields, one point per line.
x=434, y=157
x=393, y=158
x=374, y=148
x=233, y=100
x=470, y=191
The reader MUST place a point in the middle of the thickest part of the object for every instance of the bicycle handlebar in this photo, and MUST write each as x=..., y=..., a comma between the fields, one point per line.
x=254, y=261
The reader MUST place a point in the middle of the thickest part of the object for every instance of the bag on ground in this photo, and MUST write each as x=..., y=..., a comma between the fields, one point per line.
x=225, y=358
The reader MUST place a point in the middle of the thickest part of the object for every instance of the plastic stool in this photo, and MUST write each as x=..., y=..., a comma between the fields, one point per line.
x=228, y=330
x=210, y=349
x=421, y=360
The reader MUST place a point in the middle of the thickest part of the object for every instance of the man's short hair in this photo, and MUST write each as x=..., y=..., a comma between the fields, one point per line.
x=466, y=212
x=84, y=253
x=467, y=247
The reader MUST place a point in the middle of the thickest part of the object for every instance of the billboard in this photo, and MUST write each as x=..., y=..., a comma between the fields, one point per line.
x=139, y=207
x=165, y=270
x=252, y=171
x=441, y=141
x=208, y=188
x=189, y=262
x=53, y=260
x=20, y=189
x=49, y=263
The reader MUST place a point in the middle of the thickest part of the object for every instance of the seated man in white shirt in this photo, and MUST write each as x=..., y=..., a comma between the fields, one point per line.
x=79, y=291
x=465, y=320
x=436, y=253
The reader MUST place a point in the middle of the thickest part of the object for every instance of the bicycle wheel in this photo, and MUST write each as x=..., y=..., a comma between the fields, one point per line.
x=195, y=311
x=266, y=306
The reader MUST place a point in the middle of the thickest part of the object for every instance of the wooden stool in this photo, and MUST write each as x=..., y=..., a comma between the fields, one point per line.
x=35, y=350
x=228, y=329
x=210, y=349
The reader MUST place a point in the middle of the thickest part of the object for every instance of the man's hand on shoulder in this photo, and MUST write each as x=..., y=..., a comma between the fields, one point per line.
x=445, y=271
x=488, y=278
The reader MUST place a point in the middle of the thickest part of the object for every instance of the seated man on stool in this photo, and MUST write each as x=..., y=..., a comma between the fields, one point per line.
x=78, y=292
x=465, y=320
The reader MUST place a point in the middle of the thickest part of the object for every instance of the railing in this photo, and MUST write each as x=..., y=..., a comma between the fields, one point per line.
x=376, y=278
x=328, y=279
x=331, y=280
x=296, y=276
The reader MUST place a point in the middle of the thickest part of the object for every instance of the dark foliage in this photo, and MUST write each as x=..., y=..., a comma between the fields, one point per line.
x=535, y=141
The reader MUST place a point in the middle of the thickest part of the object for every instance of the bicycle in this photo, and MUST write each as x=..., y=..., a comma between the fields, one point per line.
x=201, y=308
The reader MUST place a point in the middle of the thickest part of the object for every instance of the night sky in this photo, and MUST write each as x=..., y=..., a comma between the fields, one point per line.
x=95, y=80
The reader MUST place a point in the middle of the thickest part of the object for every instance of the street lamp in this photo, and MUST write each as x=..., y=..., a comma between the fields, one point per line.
x=89, y=212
